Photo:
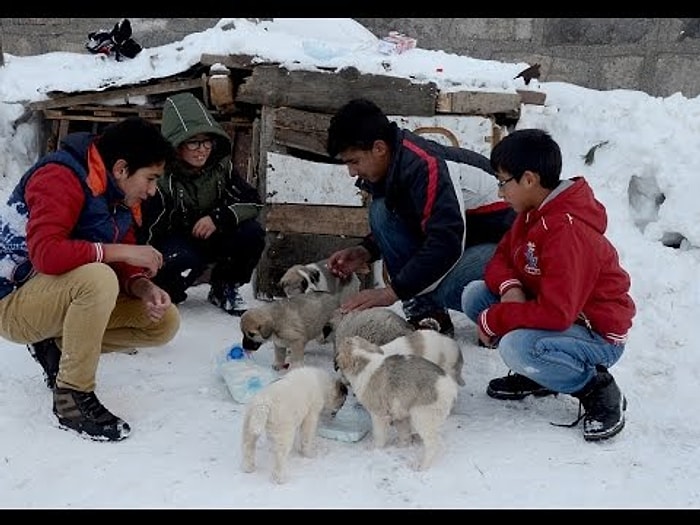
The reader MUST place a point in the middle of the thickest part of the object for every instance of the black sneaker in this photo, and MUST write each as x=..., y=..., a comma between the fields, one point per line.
x=516, y=386
x=228, y=298
x=604, y=406
x=438, y=320
x=83, y=413
x=47, y=354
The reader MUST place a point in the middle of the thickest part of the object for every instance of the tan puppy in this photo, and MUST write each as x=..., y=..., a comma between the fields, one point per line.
x=434, y=346
x=290, y=323
x=286, y=407
x=414, y=394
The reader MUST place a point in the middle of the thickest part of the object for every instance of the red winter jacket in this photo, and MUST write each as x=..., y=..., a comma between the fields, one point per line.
x=558, y=254
x=57, y=200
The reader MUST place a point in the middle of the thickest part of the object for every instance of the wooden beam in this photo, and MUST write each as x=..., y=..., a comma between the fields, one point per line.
x=479, y=103
x=317, y=219
x=303, y=130
x=536, y=98
x=230, y=61
x=326, y=92
x=126, y=93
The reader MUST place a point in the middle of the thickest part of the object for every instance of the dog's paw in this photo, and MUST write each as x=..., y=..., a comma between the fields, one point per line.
x=278, y=367
x=278, y=477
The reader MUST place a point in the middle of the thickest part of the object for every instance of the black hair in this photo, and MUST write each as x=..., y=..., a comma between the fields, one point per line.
x=136, y=140
x=356, y=125
x=529, y=150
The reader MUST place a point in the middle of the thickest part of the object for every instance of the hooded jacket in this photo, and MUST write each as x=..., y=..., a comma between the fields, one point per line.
x=559, y=255
x=60, y=213
x=185, y=195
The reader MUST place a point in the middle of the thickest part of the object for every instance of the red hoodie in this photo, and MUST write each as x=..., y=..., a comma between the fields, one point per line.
x=558, y=254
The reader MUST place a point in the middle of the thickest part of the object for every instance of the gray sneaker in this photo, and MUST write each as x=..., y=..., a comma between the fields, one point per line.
x=83, y=413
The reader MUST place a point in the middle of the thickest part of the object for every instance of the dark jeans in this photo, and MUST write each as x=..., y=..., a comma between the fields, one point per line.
x=235, y=255
x=397, y=245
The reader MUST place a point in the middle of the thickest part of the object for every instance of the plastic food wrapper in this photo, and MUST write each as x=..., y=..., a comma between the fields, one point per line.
x=396, y=43
x=351, y=423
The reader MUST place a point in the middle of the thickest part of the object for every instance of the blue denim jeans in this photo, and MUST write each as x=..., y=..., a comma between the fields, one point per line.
x=561, y=361
x=397, y=244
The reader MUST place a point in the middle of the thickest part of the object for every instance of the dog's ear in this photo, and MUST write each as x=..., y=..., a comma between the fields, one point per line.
x=314, y=276
x=327, y=330
x=265, y=330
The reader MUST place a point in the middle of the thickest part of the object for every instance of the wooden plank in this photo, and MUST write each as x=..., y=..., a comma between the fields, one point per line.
x=327, y=92
x=317, y=219
x=303, y=130
x=479, y=103
x=230, y=61
x=94, y=118
x=125, y=93
x=527, y=96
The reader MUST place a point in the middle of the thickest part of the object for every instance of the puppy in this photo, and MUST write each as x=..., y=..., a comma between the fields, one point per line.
x=434, y=346
x=315, y=277
x=377, y=325
x=414, y=394
x=286, y=407
x=290, y=323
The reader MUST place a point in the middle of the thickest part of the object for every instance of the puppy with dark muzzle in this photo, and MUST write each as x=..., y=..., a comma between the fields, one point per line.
x=315, y=277
x=290, y=323
x=414, y=394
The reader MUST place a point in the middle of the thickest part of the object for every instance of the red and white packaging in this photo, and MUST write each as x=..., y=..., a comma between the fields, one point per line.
x=396, y=43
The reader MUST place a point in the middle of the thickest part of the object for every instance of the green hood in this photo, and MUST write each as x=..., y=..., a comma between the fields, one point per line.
x=184, y=117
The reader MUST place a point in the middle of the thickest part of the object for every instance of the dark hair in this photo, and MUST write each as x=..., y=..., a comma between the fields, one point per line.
x=529, y=149
x=357, y=125
x=136, y=140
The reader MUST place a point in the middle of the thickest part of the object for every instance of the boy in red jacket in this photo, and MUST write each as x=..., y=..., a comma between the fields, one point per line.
x=554, y=299
x=73, y=281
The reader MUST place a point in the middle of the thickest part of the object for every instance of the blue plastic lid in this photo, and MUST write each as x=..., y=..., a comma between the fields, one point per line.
x=236, y=352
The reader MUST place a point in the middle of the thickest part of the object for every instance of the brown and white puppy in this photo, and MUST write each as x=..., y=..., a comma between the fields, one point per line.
x=434, y=346
x=414, y=394
x=378, y=325
x=286, y=407
x=290, y=323
x=315, y=277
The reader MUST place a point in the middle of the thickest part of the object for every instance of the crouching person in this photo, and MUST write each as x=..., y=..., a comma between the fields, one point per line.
x=73, y=283
x=554, y=299
x=204, y=215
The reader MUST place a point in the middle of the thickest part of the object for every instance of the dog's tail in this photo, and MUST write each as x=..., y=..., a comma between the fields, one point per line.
x=256, y=418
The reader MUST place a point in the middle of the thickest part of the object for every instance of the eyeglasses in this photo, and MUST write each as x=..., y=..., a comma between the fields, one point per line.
x=502, y=183
x=194, y=145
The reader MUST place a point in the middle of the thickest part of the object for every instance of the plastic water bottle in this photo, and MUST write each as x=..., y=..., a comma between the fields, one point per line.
x=243, y=376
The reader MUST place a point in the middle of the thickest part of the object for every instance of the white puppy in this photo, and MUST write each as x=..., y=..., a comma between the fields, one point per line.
x=414, y=394
x=434, y=346
x=287, y=406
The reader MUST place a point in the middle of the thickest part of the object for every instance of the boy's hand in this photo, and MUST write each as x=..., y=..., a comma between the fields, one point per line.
x=344, y=263
x=370, y=298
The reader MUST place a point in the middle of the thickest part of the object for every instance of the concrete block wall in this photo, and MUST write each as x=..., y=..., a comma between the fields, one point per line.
x=660, y=56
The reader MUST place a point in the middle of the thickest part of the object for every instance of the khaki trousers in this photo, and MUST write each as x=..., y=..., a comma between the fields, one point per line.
x=84, y=311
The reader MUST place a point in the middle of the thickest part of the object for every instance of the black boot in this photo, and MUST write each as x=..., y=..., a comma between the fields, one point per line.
x=604, y=406
x=47, y=354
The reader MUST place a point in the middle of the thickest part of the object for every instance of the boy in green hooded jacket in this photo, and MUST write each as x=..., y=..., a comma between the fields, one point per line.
x=203, y=213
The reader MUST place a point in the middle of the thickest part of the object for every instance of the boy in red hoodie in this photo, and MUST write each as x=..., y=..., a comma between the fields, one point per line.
x=554, y=300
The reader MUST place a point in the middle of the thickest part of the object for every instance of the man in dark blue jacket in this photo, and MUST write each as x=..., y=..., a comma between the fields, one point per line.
x=432, y=234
